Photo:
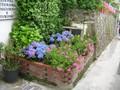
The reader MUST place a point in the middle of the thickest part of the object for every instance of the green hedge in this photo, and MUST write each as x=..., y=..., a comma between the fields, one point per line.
x=36, y=19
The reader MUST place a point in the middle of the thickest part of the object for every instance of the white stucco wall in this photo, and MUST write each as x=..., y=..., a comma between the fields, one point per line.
x=7, y=9
x=5, y=28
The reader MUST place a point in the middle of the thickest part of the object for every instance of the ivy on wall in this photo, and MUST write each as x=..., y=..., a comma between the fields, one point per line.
x=36, y=19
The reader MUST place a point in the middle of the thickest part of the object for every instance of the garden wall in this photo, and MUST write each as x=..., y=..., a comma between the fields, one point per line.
x=105, y=29
x=102, y=25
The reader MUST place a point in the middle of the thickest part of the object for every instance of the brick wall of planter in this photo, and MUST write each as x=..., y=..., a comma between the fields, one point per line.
x=64, y=80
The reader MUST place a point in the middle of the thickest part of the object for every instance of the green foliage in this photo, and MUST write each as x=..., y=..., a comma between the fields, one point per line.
x=80, y=44
x=67, y=54
x=36, y=19
x=82, y=4
x=62, y=57
x=10, y=61
x=109, y=1
x=69, y=3
x=1, y=47
x=88, y=4
x=23, y=35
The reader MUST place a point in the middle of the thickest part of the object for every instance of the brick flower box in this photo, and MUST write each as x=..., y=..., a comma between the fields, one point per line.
x=61, y=79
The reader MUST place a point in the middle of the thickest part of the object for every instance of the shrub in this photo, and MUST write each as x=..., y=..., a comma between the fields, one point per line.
x=36, y=19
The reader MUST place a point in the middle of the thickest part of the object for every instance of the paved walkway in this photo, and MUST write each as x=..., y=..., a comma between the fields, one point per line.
x=102, y=74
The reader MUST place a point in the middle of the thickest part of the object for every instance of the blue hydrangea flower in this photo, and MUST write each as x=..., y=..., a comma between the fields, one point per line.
x=68, y=33
x=64, y=39
x=64, y=33
x=52, y=46
x=59, y=39
x=32, y=50
x=58, y=35
x=30, y=53
x=29, y=47
x=25, y=51
x=40, y=51
x=71, y=35
x=42, y=42
x=51, y=39
x=40, y=56
x=63, y=36
x=34, y=44
x=53, y=35
x=67, y=39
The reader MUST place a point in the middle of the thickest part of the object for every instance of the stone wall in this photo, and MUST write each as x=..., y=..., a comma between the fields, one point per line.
x=102, y=25
x=105, y=29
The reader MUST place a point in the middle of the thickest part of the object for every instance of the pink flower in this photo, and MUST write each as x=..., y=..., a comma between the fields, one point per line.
x=89, y=45
x=89, y=39
x=68, y=48
x=86, y=41
x=83, y=53
x=57, y=51
x=85, y=49
x=93, y=44
x=66, y=52
x=77, y=59
x=89, y=53
x=64, y=47
x=2, y=56
x=63, y=52
x=80, y=67
x=66, y=57
x=75, y=54
x=59, y=69
x=48, y=50
x=75, y=64
x=88, y=34
x=78, y=50
x=91, y=48
x=80, y=58
x=82, y=39
x=69, y=69
x=108, y=7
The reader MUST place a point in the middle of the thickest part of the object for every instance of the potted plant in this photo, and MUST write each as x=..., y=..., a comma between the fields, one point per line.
x=1, y=49
x=10, y=64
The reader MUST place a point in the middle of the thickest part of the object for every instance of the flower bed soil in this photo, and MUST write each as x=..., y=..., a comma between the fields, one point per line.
x=62, y=79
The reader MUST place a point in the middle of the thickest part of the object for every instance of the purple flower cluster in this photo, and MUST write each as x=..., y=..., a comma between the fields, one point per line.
x=61, y=37
x=36, y=49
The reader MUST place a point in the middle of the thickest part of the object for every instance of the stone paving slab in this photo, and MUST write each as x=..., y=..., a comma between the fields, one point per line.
x=103, y=73
x=22, y=84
